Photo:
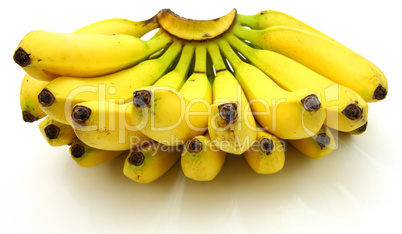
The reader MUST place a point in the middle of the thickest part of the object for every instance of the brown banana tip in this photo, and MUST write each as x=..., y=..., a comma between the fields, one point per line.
x=28, y=117
x=228, y=112
x=362, y=128
x=52, y=131
x=311, y=103
x=80, y=114
x=266, y=146
x=142, y=98
x=353, y=112
x=323, y=140
x=380, y=93
x=21, y=57
x=194, y=146
x=77, y=151
x=136, y=158
x=46, y=98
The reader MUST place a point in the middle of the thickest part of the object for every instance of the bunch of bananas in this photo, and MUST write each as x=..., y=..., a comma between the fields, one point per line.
x=197, y=90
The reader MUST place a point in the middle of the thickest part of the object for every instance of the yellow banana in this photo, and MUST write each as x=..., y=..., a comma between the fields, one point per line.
x=345, y=109
x=151, y=161
x=120, y=26
x=201, y=160
x=30, y=88
x=61, y=94
x=231, y=124
x=55, y=133
x=106, y=125
x=46, y=55
x=317, y=146
x=288, y=115
x=171, y=117
x=360, y=130
x=86, y=156
x=326, y=57
x=267, y=154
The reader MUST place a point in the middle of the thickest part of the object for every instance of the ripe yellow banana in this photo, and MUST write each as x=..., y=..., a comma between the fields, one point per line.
x=288, y=115
x=61, y=94
x=55, y=133
x=171, y=117
x=201, y=160
x=231, y=124
x=46, y=55
x=317, y=146
x=120, y=26
x=86, y=156
x=151, y=161
x=345, y=109
x=326, y=57
x=106, y=125
x=30, y=88
x=267, y=154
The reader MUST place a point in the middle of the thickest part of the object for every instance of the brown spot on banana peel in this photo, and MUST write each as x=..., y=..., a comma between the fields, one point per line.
x=266, y=145
x=77, y=150
x=228, y=112
x=28, y=117
x=21, y=57
x=323, y=140
x=194, y=146
x=80, y=114
x=142, y=98
x=353, y=112
x=380, y=93
x=46, y=98
x=136, y=158
x=52, y=131
x=311, y=103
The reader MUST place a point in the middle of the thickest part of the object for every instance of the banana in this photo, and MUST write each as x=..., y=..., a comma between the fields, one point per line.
x=195, y=30
x=46, y=55
x=30, y=88
x=326, y=57
x=120, y=26
x=231, y=124
x=201, y=160
x=55, y=133
x=317, y=146
x=267, y=154
x=61, y=94
x=106, y=125
x=271, y=18
x=360, y=130
x=288, y=115
x=173, y=117
x=86, y=156
x=345, y=109
x=151, y=161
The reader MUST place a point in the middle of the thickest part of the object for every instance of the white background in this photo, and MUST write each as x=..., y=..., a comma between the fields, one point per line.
x=356, y=189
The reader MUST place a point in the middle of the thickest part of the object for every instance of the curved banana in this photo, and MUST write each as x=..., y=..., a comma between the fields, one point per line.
x=86, y=156
x=201, y=160
x=288, y=115
x=345, y=109
x=151, y=161
x=46, y=55
x=120, y=26
x=173, y=117
x=231, y=124
x=267, y=154
x=61, y=94
x=30, y=88
x=106, y=125
x=326, y=57
x=55, y=133
x=317, y=146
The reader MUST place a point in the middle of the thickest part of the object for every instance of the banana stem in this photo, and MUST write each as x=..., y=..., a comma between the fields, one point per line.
x=216, y=57
x=159, y=42
x=245, y=33
x=200, y=59
x=227, y=50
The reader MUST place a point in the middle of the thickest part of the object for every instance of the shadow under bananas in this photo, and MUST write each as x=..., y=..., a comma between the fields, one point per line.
x=335, y=186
